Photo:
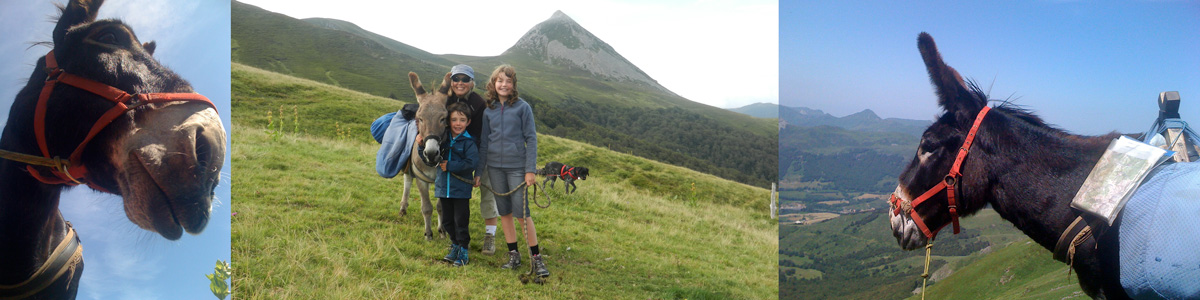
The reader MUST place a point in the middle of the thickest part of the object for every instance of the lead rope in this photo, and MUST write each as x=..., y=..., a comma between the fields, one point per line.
x=58, y=164
x=535, y=191
x=925, y=276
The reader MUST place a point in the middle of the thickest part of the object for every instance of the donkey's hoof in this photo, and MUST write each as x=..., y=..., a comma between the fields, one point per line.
x=403, y=213
x=428, y=237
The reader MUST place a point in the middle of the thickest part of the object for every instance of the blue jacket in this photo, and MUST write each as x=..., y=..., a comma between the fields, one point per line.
x=509, y=137
x=395, y=146
x=461, y=159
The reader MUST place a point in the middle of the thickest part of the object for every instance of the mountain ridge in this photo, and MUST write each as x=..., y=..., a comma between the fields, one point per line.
x=759, y=110
x=865, y=120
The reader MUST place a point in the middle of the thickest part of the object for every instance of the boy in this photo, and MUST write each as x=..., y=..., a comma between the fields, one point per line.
x=460, y=162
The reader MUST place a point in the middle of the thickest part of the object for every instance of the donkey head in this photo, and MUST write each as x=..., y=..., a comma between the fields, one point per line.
x=431, y=117
x=163, y=158
x=935, y=156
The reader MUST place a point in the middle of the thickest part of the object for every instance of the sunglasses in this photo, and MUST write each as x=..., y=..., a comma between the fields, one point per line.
x=460, y=79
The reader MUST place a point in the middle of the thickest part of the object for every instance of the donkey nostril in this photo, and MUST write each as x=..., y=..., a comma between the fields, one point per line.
x=203, y=150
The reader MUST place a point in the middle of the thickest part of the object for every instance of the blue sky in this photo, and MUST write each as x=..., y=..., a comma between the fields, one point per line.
x=121, y=260
x=682, y=44
x=1090, y=67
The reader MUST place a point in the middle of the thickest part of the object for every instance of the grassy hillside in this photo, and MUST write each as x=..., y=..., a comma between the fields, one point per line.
x=1022, y=270
x=315, y=221
x=819, y=260
x=622, y=115
x=989, y=259
x=382, y=40
x=282, y=44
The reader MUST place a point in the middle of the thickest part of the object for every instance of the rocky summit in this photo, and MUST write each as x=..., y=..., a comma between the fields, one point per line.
x=563, y=42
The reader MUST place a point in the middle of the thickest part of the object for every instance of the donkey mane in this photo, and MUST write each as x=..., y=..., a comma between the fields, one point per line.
x=1010, y=108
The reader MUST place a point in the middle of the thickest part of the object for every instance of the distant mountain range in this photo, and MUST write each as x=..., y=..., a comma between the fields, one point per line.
x=579, y=87
x=858, y=153
x=865, y=120
x=759, y=110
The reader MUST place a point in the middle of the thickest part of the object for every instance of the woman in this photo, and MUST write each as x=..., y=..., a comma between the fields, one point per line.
x=508, y=148
x=462, y=90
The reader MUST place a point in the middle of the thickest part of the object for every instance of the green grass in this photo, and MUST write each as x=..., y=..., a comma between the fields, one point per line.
x=860, y=249
x=1022, y=270
x=315, y=221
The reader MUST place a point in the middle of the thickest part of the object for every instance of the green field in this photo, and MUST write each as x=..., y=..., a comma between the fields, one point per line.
x=1020, y=270
x=860, y=249
x=315, y=222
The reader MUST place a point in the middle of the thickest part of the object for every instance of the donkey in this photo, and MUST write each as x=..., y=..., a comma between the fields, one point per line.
x=99, y=110
x=1027, y=170
x=431, y=131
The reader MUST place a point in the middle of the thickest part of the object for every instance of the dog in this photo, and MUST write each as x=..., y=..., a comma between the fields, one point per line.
x=555, y=170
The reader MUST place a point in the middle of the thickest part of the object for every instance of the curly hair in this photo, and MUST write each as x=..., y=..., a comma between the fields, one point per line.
x=492, y=96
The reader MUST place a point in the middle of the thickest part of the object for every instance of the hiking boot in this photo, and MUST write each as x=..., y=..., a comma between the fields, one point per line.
x=489, y=244
x=514, y=260
x=539, y=266
x=462, y=257
x=453, y=255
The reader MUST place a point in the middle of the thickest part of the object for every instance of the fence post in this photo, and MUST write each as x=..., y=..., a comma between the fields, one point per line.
x=774, y=198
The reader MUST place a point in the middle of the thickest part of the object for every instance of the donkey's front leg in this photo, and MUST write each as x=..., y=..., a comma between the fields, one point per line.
x=426, y=209
x=404, y=195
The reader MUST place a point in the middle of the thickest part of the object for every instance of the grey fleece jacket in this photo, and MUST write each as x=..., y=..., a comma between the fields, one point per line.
x=509, y=138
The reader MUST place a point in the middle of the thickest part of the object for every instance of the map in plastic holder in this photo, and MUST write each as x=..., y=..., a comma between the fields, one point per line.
x=1116, y=176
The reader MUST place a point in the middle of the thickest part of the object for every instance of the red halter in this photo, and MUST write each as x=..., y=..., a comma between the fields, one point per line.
x=70, y=171
x=565, y=172
x=947, y=184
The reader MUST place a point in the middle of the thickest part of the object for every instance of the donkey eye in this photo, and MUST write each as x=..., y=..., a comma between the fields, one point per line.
x=108, y=38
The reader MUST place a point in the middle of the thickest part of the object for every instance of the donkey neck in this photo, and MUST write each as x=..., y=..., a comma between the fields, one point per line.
x=1036, y=170
x=30, y=222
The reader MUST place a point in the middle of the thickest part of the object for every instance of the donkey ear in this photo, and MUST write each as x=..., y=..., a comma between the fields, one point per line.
x=953, y=93
x=445, y=87
x=416, y=83
x=149, y=47
x=77, y=12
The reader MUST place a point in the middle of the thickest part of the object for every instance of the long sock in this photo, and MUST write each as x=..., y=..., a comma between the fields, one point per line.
x=512, y=246
x=534, y=250
x=491, y=229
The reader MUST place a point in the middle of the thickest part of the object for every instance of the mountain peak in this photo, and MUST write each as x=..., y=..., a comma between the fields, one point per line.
x=560, y=41
x=867, y=114
x=559, y=14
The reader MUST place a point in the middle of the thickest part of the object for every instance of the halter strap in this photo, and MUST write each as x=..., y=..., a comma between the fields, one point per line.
x=64, y=259
x=949, y=183
x=71, y=170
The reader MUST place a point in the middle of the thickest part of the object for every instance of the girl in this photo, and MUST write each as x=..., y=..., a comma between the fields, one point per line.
x=509, y=150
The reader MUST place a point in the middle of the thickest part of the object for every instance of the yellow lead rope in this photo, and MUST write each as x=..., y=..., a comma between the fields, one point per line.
x=925, y=276
x=57, y=163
